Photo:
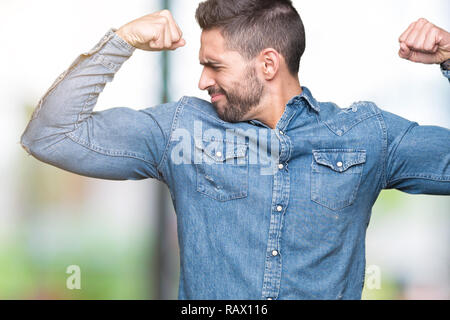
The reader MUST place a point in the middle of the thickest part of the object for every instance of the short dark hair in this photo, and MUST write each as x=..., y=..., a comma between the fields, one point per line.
x=250, y=26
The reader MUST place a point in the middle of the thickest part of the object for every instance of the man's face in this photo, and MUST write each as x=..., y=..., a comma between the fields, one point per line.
x=231, y=80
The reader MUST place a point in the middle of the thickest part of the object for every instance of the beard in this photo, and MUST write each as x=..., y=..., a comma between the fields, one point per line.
x=243, y=96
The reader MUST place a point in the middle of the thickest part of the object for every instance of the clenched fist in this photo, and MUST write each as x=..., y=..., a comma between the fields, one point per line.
x=154, y=32
x=425, y=43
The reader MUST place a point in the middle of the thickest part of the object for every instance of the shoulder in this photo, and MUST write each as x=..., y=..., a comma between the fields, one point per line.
x=186, y=103
x=341, y=119
x=187, y=109
x=168, y=112
x=199, y=105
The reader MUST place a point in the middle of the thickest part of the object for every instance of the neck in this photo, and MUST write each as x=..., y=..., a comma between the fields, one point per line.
x=274, y=101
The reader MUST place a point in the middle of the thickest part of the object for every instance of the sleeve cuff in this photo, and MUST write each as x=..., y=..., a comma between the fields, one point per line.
x=112, y=42
x=445, y=69
x=121, y=43
x=446, y=73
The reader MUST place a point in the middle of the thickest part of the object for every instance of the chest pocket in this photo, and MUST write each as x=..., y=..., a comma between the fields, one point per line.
x=336, y=176
x=222, y=173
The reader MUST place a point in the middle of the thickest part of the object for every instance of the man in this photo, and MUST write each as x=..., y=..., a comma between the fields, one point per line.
x=273, y=190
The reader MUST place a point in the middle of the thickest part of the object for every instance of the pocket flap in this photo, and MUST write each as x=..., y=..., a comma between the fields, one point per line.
x=219, y=151
x=339, y=159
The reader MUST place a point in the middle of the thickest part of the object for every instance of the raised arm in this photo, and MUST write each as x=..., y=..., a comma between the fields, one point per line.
x=118, y=143
x=418, y=157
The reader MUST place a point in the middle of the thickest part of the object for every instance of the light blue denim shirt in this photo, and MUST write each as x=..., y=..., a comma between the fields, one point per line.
x=261, y=213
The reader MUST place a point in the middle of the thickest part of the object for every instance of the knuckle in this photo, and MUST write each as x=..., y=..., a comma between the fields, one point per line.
x=165, y=12
x=160, y=27
x=157, y=44
x=176, y=37
x=409, y=42
x=428, y=47
x=164, y=19
x=429, y=26
x=422, y=20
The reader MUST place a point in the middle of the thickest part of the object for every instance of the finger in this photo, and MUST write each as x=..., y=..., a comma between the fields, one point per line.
x=404, y=51
x=423, y=35
x=179, y=30
x=157, y=43
x=175, y=31
x=167, y=37
x=410, y=40
x=178, y=44
x=405, y=34
x=431, y=41
x=415, y=56
x=421, y=57
x=164, y=22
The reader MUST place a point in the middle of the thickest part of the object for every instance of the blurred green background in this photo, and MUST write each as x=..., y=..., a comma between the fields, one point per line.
x=123, y=234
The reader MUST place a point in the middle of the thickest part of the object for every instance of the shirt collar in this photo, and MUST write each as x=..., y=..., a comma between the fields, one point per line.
x=306, y=94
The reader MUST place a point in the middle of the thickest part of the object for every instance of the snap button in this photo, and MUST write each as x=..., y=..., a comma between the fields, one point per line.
x=339, y=164
x=279, y=208
x=274, y=253
x=280, y=166
x=218, y=154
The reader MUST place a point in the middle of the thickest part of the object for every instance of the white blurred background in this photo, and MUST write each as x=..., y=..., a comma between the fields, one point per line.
x=50, y=219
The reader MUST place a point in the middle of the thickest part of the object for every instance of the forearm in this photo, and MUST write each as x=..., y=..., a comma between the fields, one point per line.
x=74, y=94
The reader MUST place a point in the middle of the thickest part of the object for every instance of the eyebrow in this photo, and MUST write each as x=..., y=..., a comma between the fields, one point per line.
x=209, y=63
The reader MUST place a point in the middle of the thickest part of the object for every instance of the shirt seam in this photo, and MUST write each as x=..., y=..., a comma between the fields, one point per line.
x=365, y=117
x=388, y=167
x=208, y=115
x=384, y=141
x=116, y=39
x=422, y=176
x=179, y=107
x=88, y=99
x=103, y=151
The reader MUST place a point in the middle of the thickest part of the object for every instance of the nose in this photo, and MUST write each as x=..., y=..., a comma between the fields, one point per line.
x=206, y=80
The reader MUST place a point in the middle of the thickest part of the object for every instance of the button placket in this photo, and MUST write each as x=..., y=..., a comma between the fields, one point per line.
x=280, y=198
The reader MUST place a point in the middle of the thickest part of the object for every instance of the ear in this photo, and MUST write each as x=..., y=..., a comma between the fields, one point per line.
x=269, y=60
